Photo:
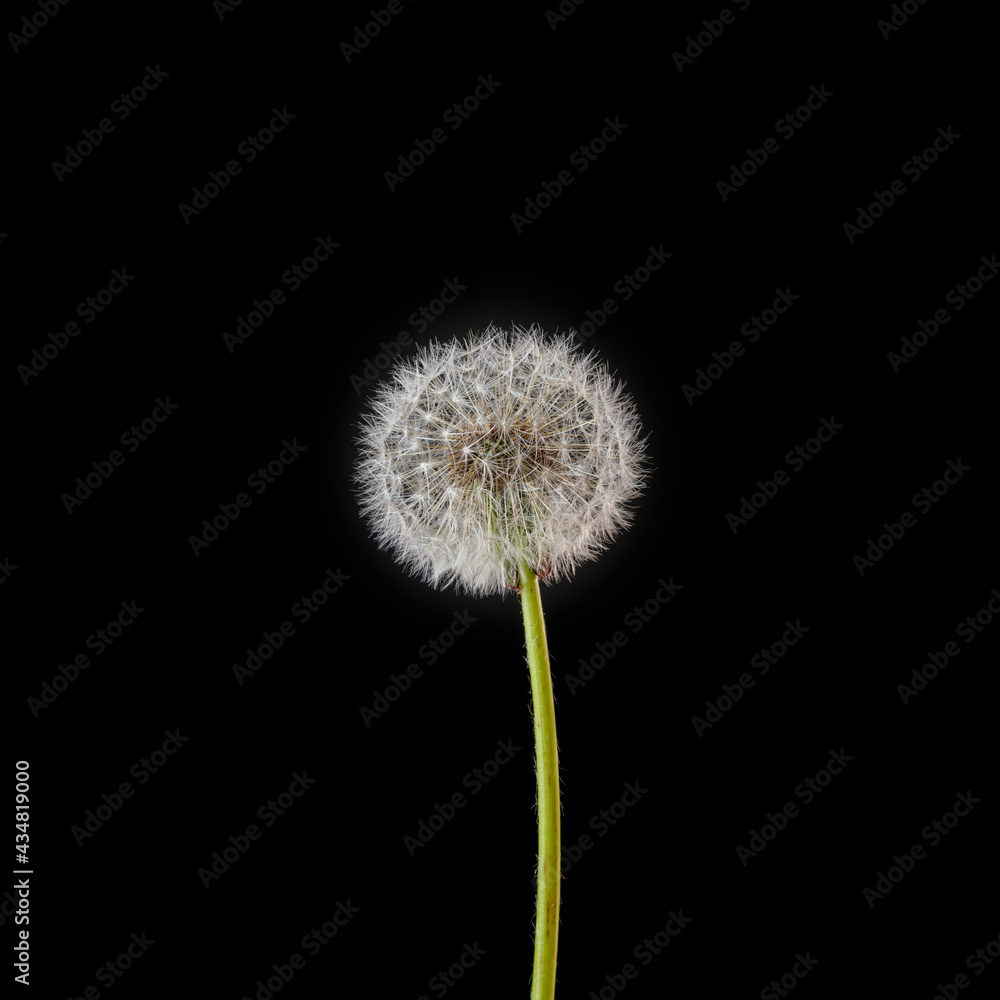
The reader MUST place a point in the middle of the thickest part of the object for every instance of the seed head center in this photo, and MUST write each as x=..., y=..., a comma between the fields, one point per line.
x=506, y=454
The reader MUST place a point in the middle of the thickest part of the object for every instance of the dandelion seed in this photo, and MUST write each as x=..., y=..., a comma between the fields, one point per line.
x=529, y=446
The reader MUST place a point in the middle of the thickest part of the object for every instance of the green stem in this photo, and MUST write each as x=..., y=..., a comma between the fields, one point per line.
x=543, y=979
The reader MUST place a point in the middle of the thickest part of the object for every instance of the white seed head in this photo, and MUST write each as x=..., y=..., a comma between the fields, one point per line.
x=503, y=447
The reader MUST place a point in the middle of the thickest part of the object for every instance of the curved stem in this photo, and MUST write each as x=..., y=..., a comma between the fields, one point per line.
x=543, y=979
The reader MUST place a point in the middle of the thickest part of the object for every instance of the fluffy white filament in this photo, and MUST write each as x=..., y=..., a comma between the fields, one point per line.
x=505, y=446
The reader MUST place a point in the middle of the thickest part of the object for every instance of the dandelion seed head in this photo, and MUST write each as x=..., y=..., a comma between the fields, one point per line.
x=500, y=447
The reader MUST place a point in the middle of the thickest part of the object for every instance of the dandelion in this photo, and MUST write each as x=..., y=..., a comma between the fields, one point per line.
x=504, y=447
x=488, y=464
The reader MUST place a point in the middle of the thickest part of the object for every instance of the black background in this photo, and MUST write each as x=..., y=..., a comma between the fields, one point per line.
x=655, y=186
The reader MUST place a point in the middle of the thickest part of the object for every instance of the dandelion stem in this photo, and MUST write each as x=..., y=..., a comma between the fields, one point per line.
x=543, y=979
